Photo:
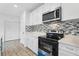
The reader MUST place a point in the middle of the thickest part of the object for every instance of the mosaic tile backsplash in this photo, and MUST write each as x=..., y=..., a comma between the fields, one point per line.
x=38, y=28
x=69, y=27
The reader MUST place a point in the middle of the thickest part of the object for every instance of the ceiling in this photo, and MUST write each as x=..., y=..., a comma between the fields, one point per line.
x=8, y=9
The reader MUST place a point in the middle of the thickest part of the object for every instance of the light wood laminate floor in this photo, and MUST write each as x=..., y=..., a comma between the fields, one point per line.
x=15, y=48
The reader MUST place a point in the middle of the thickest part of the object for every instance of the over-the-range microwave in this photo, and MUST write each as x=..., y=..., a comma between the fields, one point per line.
x=52, y=15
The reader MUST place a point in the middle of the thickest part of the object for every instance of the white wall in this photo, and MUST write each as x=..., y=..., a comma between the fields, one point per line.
x=22, y=28
x=1, y=28
x=24, y=20
x=11, y=30
x=4, y=18
x=70, y=11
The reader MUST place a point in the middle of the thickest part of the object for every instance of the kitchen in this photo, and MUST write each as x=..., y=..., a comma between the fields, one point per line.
x=54, y=22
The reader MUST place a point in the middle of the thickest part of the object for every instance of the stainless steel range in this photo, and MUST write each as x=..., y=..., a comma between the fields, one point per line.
x=48, y=45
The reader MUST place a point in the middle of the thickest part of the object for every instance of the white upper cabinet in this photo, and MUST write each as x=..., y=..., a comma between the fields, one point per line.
x=70, y=11
x=49, y=7
x=36, y=15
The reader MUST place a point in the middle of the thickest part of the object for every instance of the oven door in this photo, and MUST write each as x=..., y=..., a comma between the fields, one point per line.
x=44, y=49
x=47, y=48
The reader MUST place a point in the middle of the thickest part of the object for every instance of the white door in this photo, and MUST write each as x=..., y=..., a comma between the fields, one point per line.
x=11, y=30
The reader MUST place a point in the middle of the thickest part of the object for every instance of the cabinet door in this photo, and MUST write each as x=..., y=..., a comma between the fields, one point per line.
x=67, y=50
x=35, y=45
x=70, y=11
x=63, y=52
x=36, y=17
x=30, y=43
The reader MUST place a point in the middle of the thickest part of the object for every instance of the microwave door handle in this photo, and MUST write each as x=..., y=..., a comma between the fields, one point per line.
x=54, y=14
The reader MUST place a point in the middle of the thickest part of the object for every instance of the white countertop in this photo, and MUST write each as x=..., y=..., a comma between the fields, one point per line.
x=35, y=34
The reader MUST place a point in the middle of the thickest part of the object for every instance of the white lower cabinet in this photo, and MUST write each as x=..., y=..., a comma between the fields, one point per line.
x=33, y=44
x=29, y=43
x=63, y=52
x=68, y=50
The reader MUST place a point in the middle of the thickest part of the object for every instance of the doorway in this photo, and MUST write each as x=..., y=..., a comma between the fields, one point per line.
x=11, y=35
